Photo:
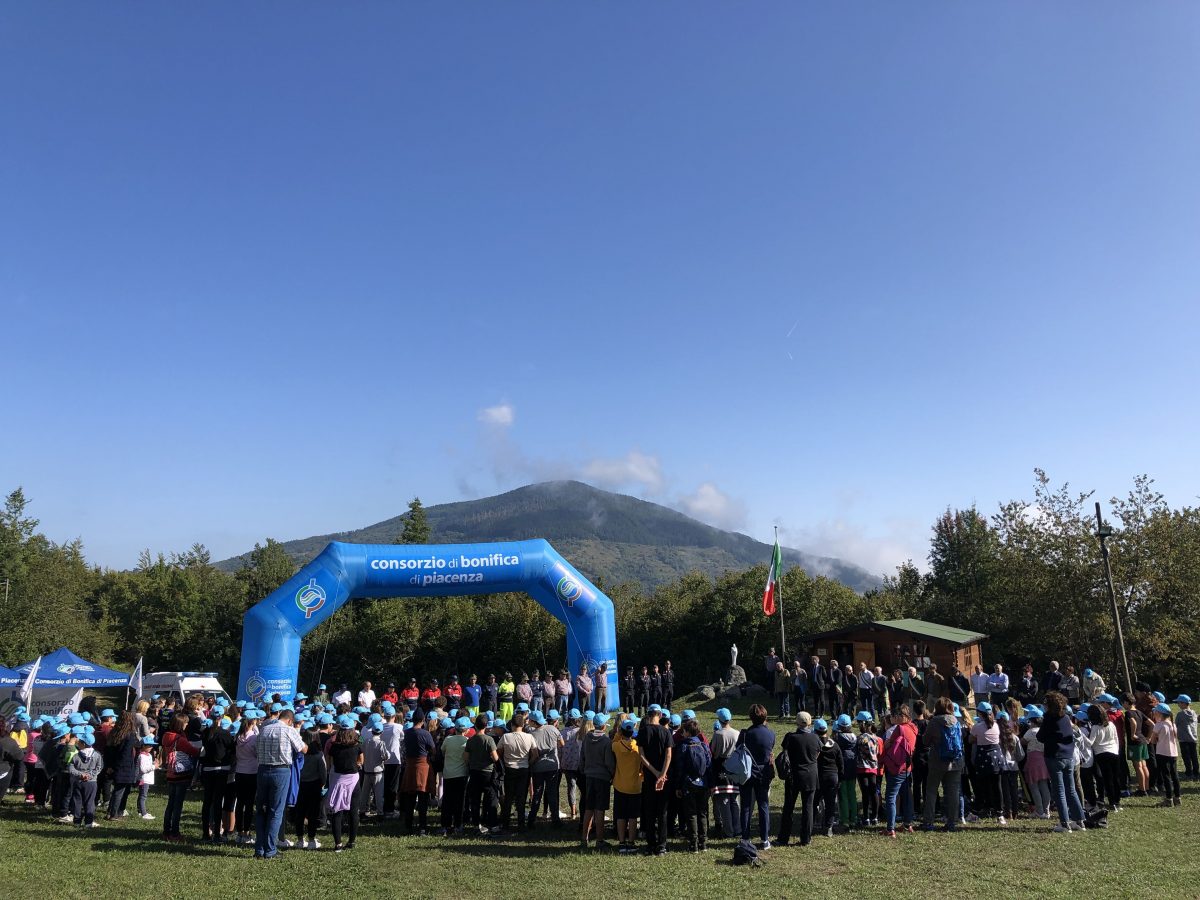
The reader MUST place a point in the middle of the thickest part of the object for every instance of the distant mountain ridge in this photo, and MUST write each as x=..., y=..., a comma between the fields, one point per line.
x=603, y=534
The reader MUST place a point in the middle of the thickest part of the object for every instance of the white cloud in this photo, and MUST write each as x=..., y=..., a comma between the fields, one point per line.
x=848, y=540
x=635, y=469
x=710, y=504
x=501, y=415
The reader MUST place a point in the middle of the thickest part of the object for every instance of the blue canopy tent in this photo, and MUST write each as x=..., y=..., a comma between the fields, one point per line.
x=10, y=677
x=63, y=669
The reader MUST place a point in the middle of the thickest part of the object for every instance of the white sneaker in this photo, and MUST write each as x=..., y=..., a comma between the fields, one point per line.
x=314, y=844
x=1001, y=821
x=147, y=815
x=1078, y=826
x=123, y=814
x=766, y=845
x=284, y=844
x=303, y=844
x=1062, y=829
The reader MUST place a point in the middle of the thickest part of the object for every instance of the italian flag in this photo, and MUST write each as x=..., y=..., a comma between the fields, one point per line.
x=772, y=588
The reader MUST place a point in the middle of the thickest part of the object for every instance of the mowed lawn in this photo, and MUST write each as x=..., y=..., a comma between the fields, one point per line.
x=1145, y=852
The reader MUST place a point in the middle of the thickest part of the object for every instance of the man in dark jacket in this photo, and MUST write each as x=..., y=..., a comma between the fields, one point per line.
x=818, y=686
x=960, y=687
x=629, y=690
x=668, y=686
x=802, y=748
x=836, y=688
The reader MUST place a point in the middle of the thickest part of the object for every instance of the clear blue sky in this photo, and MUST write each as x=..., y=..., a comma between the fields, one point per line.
x=271, y=269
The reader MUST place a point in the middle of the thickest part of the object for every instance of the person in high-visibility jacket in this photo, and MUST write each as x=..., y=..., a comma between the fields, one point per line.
x=507, y=689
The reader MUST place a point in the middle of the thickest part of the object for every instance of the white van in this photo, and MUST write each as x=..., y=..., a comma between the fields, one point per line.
x=182, y=684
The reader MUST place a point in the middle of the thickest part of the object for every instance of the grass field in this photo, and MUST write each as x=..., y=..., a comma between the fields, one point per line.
x=1146, y=852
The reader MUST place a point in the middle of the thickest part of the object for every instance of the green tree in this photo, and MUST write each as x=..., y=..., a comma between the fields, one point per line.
x=264, y=569
x=416, y=524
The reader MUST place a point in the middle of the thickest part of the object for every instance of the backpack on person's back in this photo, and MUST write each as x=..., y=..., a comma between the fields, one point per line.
x=950, y=744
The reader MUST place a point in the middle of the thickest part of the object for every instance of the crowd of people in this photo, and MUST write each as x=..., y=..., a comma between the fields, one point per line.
x=488, y=759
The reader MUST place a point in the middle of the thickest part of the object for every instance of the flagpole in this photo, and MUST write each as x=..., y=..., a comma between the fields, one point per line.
x=779, y=591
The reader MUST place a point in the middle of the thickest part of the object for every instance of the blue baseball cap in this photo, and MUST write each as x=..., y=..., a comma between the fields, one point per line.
x=463, y=722
x=820, y=725
x=301, y=697
x=537, y=718
x=1088, y=673
x=276, y=707
x=573, y=713
x=360, y=710
x=149, y=741
x=324, y=719
x=1160, y=696
x=864, y=716
x=676, y=720
x=347, y=721
x=86, y=739
x=1163, y=709
x=983, y=707
x=108, y=714
x=87, y=717
x=1002, y=716
x=22, y=717
x=320, y=687
x=1080, y=715
x=1183, y=698
x=389, y=708
x=498, y=723
x=724, y=715
x=61, y=730
x=522, y=707
x=75, y=719
x=687, y=715
x=553, y=715
x=600, y=720
x=716, y=726
x=629, y=725
x=654, y=707
x=843, y=721
x=1106, y=698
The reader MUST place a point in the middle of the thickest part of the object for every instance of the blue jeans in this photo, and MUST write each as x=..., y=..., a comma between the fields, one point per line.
x=176, y=792
x=895, y=788
x=561, y=704
x=1062, y=782
x=755, y=791
x=270, y=800
x=785, y=704
x=535, y=704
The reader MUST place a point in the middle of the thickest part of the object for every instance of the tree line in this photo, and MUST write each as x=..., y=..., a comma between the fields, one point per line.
x=1029, y=575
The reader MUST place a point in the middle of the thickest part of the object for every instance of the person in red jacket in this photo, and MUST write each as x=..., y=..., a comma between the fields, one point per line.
x=411, y=694
x=430, y=695
x=179, y=760
x=454, y=693
x=898, y=746
x=390, y=694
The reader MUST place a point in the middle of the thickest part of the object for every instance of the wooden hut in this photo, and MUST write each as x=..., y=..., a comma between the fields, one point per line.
x=898, y=644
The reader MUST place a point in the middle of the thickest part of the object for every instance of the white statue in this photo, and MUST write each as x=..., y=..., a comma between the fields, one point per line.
x=733, y=657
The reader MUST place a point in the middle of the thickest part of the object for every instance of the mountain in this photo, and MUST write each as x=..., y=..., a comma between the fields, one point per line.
x=607, y=535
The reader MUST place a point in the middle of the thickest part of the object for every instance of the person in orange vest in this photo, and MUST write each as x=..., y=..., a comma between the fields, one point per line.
x=411, y=694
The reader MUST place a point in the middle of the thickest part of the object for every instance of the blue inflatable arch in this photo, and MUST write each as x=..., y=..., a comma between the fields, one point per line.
x=273, y=628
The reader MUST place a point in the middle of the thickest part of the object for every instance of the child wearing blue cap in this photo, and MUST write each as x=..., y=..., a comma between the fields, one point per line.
x=145, y=763
x=85, y=768
x=1165, y=739
x=1185, y=727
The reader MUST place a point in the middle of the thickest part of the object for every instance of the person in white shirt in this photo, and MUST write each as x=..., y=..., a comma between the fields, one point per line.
x=342, y=696
x=366, y=696
x=979, y=685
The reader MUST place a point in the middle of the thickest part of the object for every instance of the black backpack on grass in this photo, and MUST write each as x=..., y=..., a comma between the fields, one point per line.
x=744, y=854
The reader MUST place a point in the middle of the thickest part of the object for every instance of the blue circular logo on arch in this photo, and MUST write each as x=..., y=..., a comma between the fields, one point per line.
x=310, y=598
x=256, y=686
x=569, y=590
